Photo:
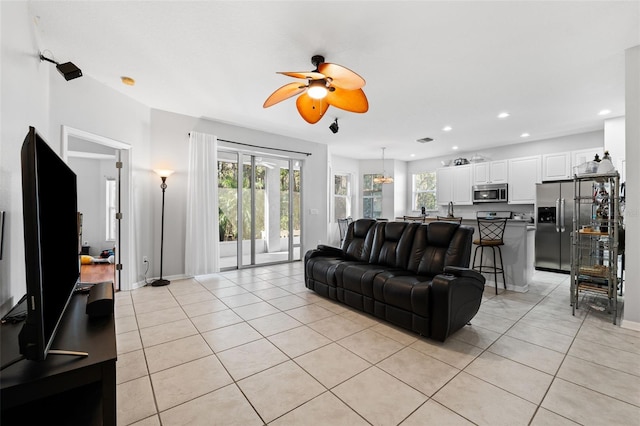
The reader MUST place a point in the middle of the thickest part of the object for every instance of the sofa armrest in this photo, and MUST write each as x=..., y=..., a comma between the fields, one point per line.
x=324, y=251
x=464, y=272
x=455, y=297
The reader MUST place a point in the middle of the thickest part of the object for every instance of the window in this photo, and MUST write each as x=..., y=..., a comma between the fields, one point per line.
x=424, y=191
x=371, y=197
x=111, y=224
x=341, y=196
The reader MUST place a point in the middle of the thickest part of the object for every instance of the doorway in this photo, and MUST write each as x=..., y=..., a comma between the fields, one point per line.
x=102, y=167
x=259, y=209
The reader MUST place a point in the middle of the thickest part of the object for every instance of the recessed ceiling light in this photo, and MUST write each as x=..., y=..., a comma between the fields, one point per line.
x=412, y=155
x=604, y=112
x=503, y=115
x=525, y=135
x=454, y=148
x=447, y=128
x=127, y=80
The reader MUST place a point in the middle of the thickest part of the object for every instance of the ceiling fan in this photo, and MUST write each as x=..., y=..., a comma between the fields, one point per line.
x=328, y=84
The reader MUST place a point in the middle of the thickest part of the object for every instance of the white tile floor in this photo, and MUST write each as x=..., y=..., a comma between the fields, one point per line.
x=256, y=347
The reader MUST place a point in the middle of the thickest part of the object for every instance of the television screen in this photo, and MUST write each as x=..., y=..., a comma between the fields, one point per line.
x=49, y=198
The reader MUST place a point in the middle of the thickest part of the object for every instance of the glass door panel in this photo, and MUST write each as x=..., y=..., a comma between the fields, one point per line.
x=264, y=197
x=228, y=209
x=271, y=210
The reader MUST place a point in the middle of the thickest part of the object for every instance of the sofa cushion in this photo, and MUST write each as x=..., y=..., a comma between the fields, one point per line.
x=358, y=242
x=408, y=292
x=437, y=245
x=392, y=243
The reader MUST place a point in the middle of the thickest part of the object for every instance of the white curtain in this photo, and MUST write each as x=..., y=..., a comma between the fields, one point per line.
x=201, y=248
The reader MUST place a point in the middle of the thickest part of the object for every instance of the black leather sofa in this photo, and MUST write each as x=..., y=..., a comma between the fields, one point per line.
x=413, y=275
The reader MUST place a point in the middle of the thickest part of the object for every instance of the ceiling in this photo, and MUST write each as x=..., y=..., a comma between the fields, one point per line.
x=552, y=65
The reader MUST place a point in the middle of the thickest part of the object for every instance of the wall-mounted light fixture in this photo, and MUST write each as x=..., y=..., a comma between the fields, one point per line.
x=68, y=70
x=334, y=126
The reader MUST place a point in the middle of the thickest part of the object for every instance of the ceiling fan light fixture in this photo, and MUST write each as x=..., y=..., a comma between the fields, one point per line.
x=317, y=89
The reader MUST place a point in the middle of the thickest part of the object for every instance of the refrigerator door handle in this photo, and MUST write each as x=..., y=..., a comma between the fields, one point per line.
x=562, y=227
x=557, y=215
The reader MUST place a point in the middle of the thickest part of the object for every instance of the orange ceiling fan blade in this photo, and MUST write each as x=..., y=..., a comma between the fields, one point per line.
x=312, y=110
x=342, y=77
x=285, y=92
x=348, y=100
x=311, y=75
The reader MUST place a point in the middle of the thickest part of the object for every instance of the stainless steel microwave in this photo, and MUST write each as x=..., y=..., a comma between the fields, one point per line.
x=492, y=193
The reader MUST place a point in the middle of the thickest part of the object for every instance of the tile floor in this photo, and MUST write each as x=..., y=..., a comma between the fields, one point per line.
x=256, y=347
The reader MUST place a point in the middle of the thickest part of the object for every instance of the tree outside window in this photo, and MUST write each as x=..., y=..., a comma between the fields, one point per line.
x=424, y=191
x=371, y=196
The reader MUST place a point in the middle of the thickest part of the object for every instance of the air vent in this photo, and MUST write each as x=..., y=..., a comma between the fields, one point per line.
x=425, y=140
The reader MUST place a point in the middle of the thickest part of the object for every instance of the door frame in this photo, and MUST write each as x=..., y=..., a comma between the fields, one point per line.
x=126, y=255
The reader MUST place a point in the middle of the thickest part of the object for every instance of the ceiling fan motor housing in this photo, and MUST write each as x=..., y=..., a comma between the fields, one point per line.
x=317, y=60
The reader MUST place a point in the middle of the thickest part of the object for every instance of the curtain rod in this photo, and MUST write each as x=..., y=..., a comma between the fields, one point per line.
x=262, y=147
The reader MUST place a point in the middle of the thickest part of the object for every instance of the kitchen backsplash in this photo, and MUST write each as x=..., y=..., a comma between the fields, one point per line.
x=469, y=212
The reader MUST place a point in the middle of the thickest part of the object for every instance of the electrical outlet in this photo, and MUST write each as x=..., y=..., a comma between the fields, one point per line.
x=145, y=259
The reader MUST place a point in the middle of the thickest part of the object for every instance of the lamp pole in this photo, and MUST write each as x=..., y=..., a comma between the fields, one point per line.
x=164, y=174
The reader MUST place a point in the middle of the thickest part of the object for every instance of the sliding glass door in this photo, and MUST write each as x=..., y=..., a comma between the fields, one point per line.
x=260, y=205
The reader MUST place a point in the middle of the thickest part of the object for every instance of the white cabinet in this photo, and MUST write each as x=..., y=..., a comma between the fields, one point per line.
x=490, y=172
x=524, y=173
x=454, y=184
x=584, y=155
x=556, y=166
x=561, y=165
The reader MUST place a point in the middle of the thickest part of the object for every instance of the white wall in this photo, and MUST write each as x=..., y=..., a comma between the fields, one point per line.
x=631, y=315
x=169, y=133
x=92, y=201
x=401, y=188
x=338, y=164
x=614, y=142
x=24, y=102
x=90, y=106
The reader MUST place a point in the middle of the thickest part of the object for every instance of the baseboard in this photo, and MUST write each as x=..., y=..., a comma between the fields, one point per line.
x=140, y=284
x=631, y=325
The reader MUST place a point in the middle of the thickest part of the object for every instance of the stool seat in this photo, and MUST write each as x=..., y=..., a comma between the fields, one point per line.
x=491, y=236
x=488, y=242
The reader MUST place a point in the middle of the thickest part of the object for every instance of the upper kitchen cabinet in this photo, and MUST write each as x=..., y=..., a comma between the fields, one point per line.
x=584, y=155
x=490, y=172
x=454, y=184
x=524, y=173
x=560, y=165
x=556, y=166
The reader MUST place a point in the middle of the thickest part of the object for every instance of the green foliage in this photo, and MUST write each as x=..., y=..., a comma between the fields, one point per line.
x=228, y=200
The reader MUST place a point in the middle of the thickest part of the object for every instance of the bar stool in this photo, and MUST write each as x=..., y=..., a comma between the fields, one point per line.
x=450, y=219
x=491, y=234
x=343, y=225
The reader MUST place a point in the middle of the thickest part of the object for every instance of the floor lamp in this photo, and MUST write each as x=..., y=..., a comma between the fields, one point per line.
x=164, y=174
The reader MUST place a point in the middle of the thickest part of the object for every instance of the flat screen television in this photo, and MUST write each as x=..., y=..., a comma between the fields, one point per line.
x=51, y=243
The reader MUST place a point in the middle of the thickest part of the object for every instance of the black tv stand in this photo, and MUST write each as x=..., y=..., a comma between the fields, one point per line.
x=62, y=389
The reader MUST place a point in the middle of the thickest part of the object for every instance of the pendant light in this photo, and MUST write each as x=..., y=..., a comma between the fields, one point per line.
x=384, y=178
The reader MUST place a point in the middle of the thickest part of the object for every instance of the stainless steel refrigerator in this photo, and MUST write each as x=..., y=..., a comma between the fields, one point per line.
x=554, y=224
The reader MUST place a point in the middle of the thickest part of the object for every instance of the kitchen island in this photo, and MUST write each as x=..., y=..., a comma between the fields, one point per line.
x=518, y=253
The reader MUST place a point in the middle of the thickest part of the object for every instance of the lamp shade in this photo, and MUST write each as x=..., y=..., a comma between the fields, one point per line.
x=165, y=173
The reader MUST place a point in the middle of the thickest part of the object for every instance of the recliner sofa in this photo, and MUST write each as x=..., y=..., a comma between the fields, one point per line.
x=413, y=275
